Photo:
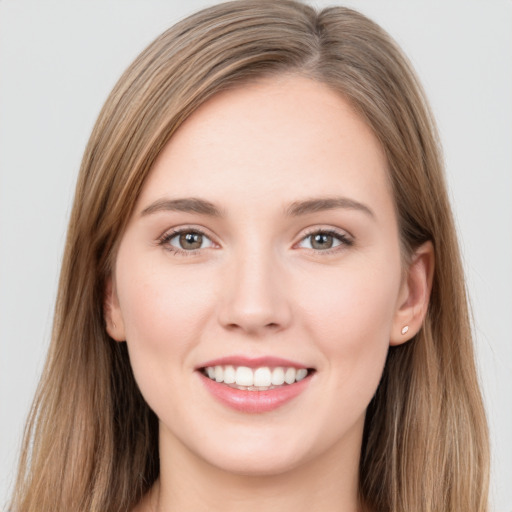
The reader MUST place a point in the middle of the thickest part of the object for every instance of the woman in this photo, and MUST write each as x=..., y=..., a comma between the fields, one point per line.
x=261, y=300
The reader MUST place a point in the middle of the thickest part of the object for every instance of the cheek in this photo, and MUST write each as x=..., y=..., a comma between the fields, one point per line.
x=353, y=300
x=164, y=310
x=159, y=307
x=348, y=320
x=349, y=315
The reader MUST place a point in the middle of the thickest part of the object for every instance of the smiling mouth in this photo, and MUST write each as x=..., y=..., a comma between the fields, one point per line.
x=255, y=379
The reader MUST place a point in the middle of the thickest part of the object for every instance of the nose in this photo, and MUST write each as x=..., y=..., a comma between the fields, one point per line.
x=254, y=298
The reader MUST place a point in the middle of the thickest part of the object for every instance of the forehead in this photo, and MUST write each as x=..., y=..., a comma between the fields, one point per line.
x=277, y=139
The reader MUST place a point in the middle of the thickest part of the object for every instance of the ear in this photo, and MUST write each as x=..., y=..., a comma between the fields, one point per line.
x=112, y=312
x=414, y=295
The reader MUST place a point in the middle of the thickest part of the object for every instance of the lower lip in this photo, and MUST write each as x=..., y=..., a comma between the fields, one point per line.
x=254, y=401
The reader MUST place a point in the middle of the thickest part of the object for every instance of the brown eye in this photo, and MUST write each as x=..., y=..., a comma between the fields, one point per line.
x=322, y=241
x=191, y=241
x=325, y=240
x=186, y=241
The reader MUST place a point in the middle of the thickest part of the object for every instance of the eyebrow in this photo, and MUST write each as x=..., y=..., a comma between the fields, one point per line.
x=295, y=209
x=188, y=204
x=319, y=204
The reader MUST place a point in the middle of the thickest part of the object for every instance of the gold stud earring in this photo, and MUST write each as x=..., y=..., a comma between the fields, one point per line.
x=405, y=328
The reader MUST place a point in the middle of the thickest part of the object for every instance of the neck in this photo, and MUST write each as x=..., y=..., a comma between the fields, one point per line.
x=328, y=482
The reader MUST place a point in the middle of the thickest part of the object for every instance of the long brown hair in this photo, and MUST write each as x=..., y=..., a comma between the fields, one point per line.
x=92, y=442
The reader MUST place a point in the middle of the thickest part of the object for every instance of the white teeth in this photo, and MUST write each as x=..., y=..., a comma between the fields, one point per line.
x=277, y=376
x=262, y=377
x=257, y=379
x=229, y=375
x=289, y=375
x=301, y=374
x=219, y=374
x=244, y=376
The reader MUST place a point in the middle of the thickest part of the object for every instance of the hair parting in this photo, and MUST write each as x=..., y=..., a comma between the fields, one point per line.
x=92, y=442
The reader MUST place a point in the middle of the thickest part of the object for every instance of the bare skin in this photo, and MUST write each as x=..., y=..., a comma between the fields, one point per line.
x=266, y=275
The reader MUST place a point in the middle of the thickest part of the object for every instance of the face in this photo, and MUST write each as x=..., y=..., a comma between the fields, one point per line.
x=263, y=248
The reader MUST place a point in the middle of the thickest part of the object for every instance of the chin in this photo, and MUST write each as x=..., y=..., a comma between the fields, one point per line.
x=259, y=455
x=256, y=465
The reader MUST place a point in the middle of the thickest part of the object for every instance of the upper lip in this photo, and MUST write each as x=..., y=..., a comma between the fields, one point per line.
x=252, y=362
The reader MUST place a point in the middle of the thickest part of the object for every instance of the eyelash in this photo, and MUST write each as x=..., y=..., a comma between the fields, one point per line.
x=342, y=237
x=168, y=236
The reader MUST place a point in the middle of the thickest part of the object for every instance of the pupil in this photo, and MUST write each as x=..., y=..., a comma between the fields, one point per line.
x=322, y=241
x=191, y=240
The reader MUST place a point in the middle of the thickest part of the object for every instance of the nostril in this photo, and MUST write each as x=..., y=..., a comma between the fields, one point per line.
x=250, y=327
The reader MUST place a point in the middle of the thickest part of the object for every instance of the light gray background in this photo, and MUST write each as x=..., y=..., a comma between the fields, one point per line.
x=59, y=60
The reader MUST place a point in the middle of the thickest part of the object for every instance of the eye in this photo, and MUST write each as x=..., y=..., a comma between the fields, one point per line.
x=185, y=241
x=324, y=240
